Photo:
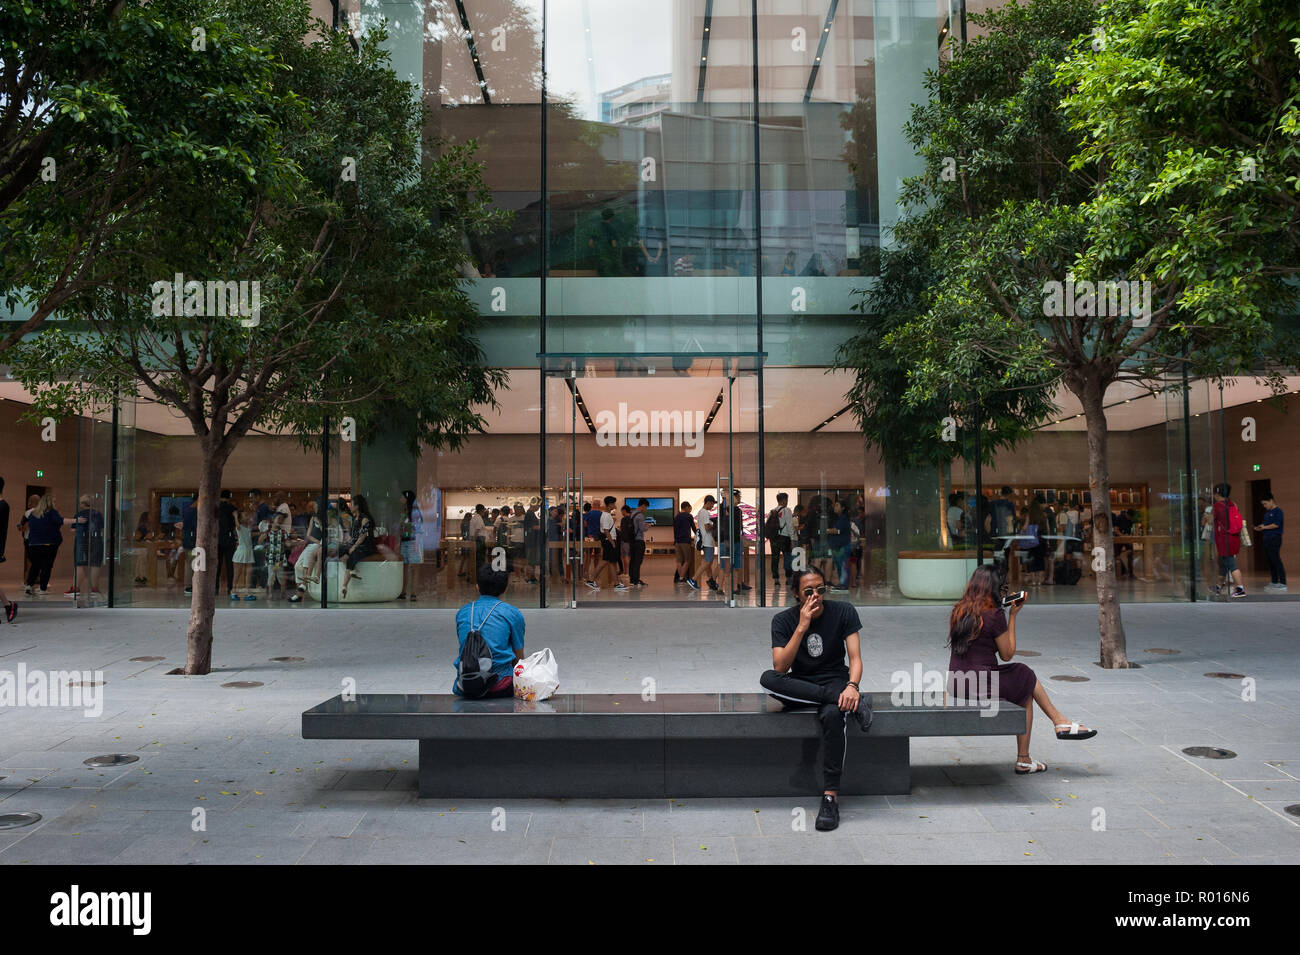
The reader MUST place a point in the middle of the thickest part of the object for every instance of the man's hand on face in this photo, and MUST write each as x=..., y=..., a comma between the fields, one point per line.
x=812, y=606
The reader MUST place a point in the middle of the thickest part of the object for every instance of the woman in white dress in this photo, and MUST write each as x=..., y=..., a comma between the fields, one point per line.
x=243, y=556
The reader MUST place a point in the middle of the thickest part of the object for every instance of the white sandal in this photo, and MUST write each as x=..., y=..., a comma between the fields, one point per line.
x=1033, y=766
x=1073, y=731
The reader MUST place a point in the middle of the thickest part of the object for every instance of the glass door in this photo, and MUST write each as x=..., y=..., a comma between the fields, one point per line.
x=652, y=472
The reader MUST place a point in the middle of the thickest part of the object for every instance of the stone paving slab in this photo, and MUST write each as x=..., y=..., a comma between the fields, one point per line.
x=269, y=797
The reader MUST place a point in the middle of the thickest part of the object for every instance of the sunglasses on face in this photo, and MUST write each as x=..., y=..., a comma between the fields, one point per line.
x=819, y=591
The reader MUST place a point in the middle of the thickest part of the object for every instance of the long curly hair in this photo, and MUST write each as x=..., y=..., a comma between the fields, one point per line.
x=967, y=616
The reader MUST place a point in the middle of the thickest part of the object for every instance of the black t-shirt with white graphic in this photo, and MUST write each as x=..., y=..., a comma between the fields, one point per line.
x=822, y=650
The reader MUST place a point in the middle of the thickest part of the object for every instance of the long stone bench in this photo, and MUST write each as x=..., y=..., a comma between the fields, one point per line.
x=678, y=745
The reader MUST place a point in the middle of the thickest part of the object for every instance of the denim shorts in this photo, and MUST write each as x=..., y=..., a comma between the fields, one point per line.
x=1227, y=565
x=708, y=555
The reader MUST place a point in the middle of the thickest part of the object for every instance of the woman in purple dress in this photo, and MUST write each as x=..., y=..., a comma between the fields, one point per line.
x=979, y=632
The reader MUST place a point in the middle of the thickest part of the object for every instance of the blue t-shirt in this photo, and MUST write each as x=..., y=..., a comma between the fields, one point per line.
x=683, y=528
x=591, y=522
x=1272, y=516
x=503, y=631
x=844, y=539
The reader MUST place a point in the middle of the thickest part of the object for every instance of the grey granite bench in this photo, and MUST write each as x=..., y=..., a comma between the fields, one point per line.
x=678, y=745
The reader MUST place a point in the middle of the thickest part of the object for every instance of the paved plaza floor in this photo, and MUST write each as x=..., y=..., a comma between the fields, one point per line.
x=267, y=796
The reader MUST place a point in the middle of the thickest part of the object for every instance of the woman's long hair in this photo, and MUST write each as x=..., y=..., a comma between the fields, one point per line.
x=410, y=503
x=362, y=508
x=43, y=506
x=968, y=614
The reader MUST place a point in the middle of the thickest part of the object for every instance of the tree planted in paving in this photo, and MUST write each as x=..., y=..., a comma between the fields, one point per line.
x=337, y=294
x=1028, y=280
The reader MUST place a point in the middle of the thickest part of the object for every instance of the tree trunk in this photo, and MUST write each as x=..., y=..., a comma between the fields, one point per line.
x=1113, y=649
x=198, y=652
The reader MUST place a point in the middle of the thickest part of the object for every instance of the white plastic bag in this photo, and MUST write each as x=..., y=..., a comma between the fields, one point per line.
x=537, y=677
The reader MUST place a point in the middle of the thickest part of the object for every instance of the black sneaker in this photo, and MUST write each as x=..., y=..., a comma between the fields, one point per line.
x=11, y=610
x=676, y=578
x=713, y=584
x=828, y=817
x=863, y=713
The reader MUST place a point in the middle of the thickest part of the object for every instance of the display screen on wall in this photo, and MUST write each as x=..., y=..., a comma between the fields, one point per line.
x=660, y=511
x=165, y=515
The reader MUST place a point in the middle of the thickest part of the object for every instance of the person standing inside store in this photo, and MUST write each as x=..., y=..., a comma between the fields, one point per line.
x=956, y=525
x=684, y=544
x=1227, y=539
x=626, y=531
x=411, y=545
x=87, y=547
x=608, y=545
x=809, y=644
x=783, y=540
x=841, y=540
x=261, y=511
x=227, y=543
x=638, y=543
x=534, y=540
x=1270, y=530
x=591, y=518
x=478, y=534
x=44, y=535
x=732, y=543
x=708, y=540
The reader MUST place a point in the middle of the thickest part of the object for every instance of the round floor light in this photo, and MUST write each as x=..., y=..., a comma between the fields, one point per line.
x=147, y=659
x=1071, y=679
x=16, y=820
x=111, y=759
x=1210, y=752
x=1163, y=650
x=288, y=659
x=242, y=685
x=1226, y=676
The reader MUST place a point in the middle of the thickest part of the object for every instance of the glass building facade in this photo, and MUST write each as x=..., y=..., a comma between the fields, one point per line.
x=699, y=191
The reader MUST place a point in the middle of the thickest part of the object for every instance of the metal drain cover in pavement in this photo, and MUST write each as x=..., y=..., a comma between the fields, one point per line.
x=1210, y=752
x=242, y=685
x=1028, y=653
x=287, y=659
x=1227, y=676
x=1163, y=650
x=112, y=759
x=1071, y=679
x=1293, y=809
x=16, y=820
x=147, y=659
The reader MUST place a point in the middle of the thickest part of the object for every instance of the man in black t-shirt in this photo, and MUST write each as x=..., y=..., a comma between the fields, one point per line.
x=809, y=643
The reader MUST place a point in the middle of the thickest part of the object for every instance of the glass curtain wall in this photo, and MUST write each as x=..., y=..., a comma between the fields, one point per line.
x=685, y=251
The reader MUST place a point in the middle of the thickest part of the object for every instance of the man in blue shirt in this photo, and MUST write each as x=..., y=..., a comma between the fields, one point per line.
x=501, y=624
x=1270, y=529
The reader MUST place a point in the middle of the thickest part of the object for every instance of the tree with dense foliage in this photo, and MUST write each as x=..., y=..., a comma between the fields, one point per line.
x=357, y=307
x=1017, y=270
x=100, y=101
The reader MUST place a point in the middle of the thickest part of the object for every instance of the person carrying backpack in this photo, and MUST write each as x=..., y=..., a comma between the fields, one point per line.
x=490, y=633
x=1228, y=525
x=779, y=529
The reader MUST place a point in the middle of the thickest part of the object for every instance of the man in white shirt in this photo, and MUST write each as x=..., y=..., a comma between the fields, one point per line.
x=706, y=523
x=478, y=534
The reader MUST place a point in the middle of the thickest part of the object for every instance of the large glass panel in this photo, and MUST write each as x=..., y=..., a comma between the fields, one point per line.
x=649, y=147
